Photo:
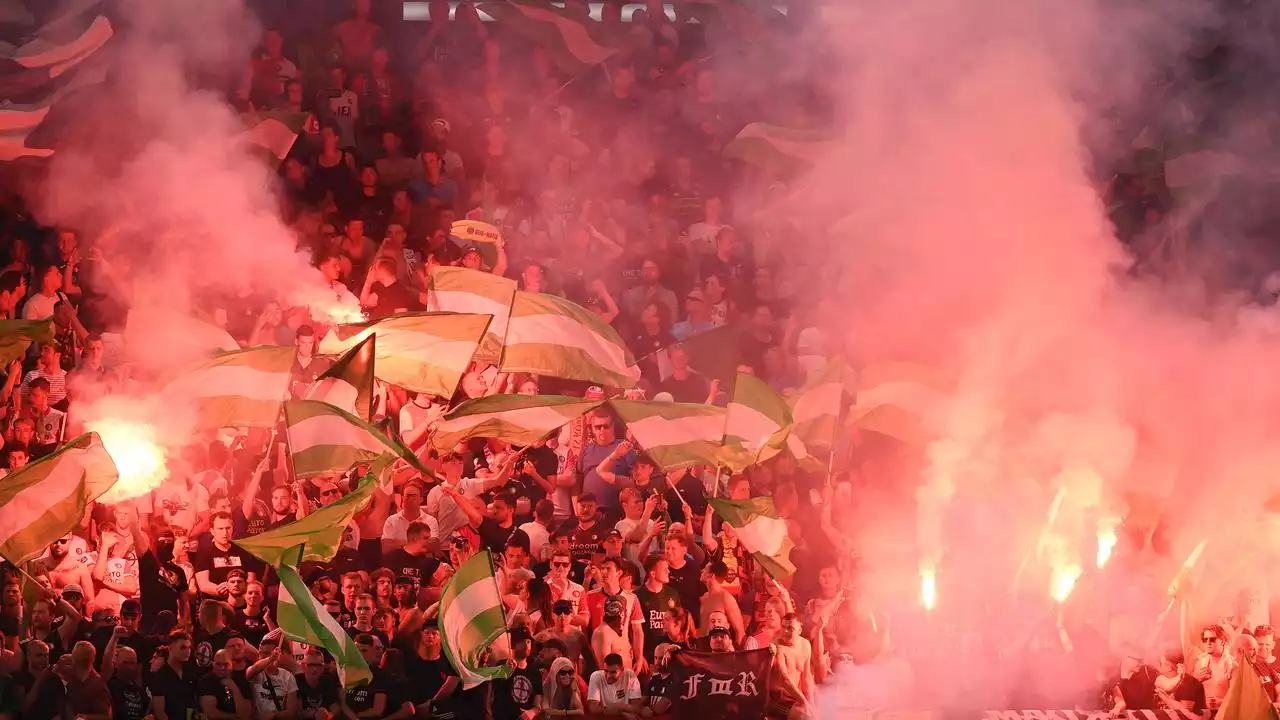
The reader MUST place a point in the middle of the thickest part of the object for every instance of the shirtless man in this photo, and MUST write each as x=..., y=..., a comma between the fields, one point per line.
x=566, y=631
x=65, y=568
x=793, y=687
x=718, y=599
x=609, y=637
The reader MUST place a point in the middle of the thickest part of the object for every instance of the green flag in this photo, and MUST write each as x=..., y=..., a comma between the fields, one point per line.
x=1246, y=697
x=302, y=618
x=348, y=383
x=471, y=619
x=321, y=531
x=16, y=337
x=761, y=531
x=324, y=439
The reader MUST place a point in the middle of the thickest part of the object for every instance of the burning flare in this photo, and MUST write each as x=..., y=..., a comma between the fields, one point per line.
x=1064, y=581
x=1106, y=538
x=137, y=454
x=928, y=588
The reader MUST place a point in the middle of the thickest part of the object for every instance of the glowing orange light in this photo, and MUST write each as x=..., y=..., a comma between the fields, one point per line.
x=928, y=589
x=1064, y=581
x=139, y=458
x=1106, y=539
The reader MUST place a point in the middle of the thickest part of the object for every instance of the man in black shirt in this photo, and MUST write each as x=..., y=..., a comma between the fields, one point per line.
x=162, y=584
x=317, y=689
x=371, y=696
x=220, y=698
x=173, y=685
x=685, y=574
x=495, y=530
x=218, y=558
x=384, y=294
x=513, y=696
x=130, y=699
x=414, y=559
x=211, y=635
x=435, y=680
x=125, y=632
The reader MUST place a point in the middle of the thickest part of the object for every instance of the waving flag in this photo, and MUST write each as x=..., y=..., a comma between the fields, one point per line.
x=471, y=619
x=320, y=533
x=348, y=383
x=761, y=531
x=457, y=289
x=44, y=500
x=515, y=419
x=244, y=388
x=574, y=43
x=275, y=132
x=816, y=408
x=302, y=618
x=325, y=439
x=419, y=351
x=548, y=335
x=779, y=150
x=757, y=423
x=899, y=400
x=16, y=337
x=674, y=435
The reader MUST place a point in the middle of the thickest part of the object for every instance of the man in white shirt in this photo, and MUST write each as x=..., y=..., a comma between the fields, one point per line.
x=539, y=529
x=418, y=417
x=395, y=529
x=442, y=505
x=275, y=692
x=613, y=690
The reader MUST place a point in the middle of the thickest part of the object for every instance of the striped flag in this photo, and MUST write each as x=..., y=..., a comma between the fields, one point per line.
x=471, y=619
x=548, y=335
x=326, y=439
x=780, y=150
x=237, y=389
x=674, y=435
x=187, y=339
x=302, y=618
x=515, y=419
x=44, y=500
x=899, y=400
x=55, y=55
x=757, y=423
x=320, y=533
x=348, y=383
x=574, y=44
x=761, y=531
x=16, y=337
x=275, y=132
x=1246, y=697
x=458, y=289
x=815, y=410
x=419, y=351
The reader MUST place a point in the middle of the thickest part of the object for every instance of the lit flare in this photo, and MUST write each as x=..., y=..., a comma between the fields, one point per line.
x=1106, y=539
x=139, y=458
x=928, y=589
x=1064, y=581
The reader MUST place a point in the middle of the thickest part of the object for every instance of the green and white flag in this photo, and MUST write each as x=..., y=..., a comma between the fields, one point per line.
x=548, y=335
x=779, y=150
x=761, y=531
x=56, y=55
x=302, y=618
x=757, y=423
x=326, y=439
x=320, y=533
x=16, y=337
x=471, y=620
x=674, y=435
x=574, y=44
x=460, y=290
x=348, y=383
x=274, y=133
x=187, y=339
x=44, y=500
x=905, y=401
x=244, y=388
x=515, y=419
x=419, y=351
x=816, y=408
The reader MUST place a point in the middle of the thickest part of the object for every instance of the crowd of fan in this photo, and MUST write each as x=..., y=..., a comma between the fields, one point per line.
x=610, y=190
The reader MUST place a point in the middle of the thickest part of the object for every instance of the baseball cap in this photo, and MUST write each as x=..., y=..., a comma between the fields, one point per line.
x=718, y=631
x=613, y=607
x=520, y=634
x=441, y=123
x=405, y=580
x=103, y=615
x=664, y=396
x=235, y=573
x=470, y=248
x=614, y=534
x=562, y=607
x=130, y=608
x=586, y=497
x=72, y=589
x=695, y=294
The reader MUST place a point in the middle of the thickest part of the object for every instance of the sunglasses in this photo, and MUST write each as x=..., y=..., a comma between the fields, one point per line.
x=560, y=564
x=1209, y=638
x=601, y=427
x=326, y=493
x=564, y=612
x=565, y=673
x=61, y=542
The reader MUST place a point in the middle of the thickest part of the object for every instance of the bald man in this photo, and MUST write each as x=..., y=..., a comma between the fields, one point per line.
x=130, y=699
x=87, y=693
x=217, y=693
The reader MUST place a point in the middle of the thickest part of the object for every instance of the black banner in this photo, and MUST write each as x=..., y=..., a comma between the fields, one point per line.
x=712, y=686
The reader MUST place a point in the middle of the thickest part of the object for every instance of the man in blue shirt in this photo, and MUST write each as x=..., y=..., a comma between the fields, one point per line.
x=432, y=187
x=616, y=457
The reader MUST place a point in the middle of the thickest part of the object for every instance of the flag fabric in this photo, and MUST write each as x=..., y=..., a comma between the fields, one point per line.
x=757, y=424
x=419, y=351
x=720, y=685
x=899, y=400
x=16, y=337
x=674, y=435
x=515, y=419
x=816, y=408
x=53, y=54
x=44, y=500
x=320, y=533
x=1246, y=697
x=186, y=339
x=326, y=439
x=302, y=618
x=348, y=383
x=275, y=132
x=486, y=238
x=244, y=388
x=714, y=354
x=779, y=150
x=458, y=289
x=574, y=43
x=548, y=335
x=761, y=531
x=471, y=619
